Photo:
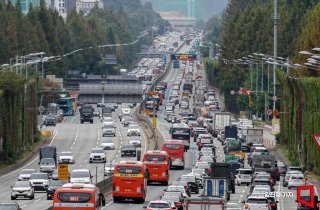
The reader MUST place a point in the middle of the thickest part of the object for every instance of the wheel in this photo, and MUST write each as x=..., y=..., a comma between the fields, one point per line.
x=114, y=135
x=32, y=197
x=239, y=184
x=91, y=121
x=13, y=198
x=121, y=155
x=289, y=188
x=165, y=183
x=81, y=121
x=115, y=200
x=48, y=198
x=197, y=192
x=148, y=182
x=90, y=161
x=142, y=200
x=182, y=167
x=104, y=161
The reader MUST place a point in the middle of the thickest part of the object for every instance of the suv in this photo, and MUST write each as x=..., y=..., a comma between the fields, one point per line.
x=128, y=150
x=243, y=175
x=108, y=129
x=50, y=120
x=261, y=203
x=97, y=154
x=22, y=189
x=39, y=181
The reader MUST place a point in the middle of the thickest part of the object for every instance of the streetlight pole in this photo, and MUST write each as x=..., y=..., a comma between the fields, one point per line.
x=275, y=46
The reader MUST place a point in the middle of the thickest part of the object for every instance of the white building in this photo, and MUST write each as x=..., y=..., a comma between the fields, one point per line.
x=86, y=5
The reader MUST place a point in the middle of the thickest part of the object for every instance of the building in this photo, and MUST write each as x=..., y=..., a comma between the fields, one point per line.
x=178, y=21
x=25, y=4
x=86, y=5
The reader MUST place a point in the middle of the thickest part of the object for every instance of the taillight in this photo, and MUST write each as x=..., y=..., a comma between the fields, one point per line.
x=246, y=206
x=317, y=205
x=273, y=205
x=299, y=204
x=139, y=189
x=164, y=173
x=117, y=189
x=178, y=204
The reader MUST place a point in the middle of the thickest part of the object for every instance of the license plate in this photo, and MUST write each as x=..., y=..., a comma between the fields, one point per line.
x=127, y=190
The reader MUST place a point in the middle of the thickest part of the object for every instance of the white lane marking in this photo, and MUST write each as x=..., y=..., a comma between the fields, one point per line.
x=281, y=200
x=71, y=147
x=107, y=205
x=24, y=206
x=22, y=167
x=37, y=200
x=73, y=118
x=80, y=166
x=85, y=161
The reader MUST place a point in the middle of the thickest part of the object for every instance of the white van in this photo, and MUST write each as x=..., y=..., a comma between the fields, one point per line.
x=81, y=176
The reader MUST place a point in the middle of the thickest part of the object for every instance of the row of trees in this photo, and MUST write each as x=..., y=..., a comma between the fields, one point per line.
x=247, y=28
x=43, y=30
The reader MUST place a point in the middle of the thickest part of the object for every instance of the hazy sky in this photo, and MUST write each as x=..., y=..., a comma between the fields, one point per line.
x=204, y=9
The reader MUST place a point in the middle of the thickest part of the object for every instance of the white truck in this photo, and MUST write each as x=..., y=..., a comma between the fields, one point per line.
x=123, y=71
x=254, y=136
x=220, y=121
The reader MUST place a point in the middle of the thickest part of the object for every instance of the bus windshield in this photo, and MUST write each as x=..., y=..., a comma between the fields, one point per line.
x=173, y=146
x=129, y=169
x=155, y=158
x=74, y=197
x=185, y=131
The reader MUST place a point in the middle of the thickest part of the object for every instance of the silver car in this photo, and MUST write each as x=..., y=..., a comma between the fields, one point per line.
x=296, y=180
x=97, y=155
x=133, y=129
x=25, y=174
x=66, y=157
x=22, y=189
x=47, y=165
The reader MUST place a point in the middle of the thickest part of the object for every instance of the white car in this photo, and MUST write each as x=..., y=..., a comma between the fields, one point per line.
x=97, y=155
x=296, y=180
x=160, y=204
x=25, y=174
x=243, y=175
x=66, y=157
x=109, y=168
x=81, y=176
x=107, y=144
x=133, y=129
x=257, y=202
x=108, y=129
x=135, y=141
x=47, y=165
x=39, y=181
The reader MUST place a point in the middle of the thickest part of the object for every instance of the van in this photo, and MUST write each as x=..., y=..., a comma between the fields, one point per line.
x=81, y=176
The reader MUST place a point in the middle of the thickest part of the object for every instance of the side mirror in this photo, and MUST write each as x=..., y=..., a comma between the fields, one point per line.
x=39, y=163
x=102, y=199
x=277, y=201
x=11, y=186
x=144, y=207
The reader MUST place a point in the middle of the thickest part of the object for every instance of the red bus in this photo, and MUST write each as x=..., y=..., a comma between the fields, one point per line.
x=157, y=164
x=78, y=196
x=129, y=181
x=175, y=150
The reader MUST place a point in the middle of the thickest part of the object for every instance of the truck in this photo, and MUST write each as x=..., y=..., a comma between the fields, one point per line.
x=106, y=111
x=48, y=152
x=254, y=136
x=86, y=113
x=265, y=163
x=187, y=87
x=123, y=71
x=220, y=121
x=230, y=132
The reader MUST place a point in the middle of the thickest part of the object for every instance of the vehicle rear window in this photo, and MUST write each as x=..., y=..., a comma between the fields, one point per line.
x=158, y=205
x=259, y=201
x=245, y=172
x=156, y=158
x=128, y=169
x=172, y=146
x=74, y=197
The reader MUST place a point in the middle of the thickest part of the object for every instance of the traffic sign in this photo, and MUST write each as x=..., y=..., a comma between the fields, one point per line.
x=276, y=113
x=232, y=92
x=316, y=138
x=250, y=102
x=269, y=112
x=41, y=109
x=147, y=112
x=274, y=98
x=154, y=122
x=152, y=92
x=63, y=171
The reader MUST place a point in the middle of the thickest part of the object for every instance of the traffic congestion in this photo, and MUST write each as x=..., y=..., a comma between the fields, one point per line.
x=204, y=158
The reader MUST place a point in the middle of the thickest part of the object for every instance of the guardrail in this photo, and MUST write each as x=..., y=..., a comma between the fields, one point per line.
x=119, y=89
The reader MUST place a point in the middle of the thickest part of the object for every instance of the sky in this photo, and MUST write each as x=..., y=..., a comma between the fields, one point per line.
x=204, y=9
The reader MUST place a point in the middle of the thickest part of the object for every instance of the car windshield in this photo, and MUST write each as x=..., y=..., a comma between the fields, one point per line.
x=80, y=174
x=110, y=165
x=39, y=176
x=107, y=141
x=47, y=161
x=97, y=150
x=245, y=172
x=22, y=184
x=173, y=146
x=188, y=178
x=66, y=153
x=156, y=158
x=133, y=127
x=106, y=126
x=9, y=207
x=27, y=171
x=180, y=189
x=159, y=205
x=257, y=200
x=170, y=198
x=56, y=183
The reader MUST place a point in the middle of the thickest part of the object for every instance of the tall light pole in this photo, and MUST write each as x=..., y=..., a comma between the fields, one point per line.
x=275, y=46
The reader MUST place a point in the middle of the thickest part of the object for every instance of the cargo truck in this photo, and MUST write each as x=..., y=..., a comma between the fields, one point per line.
x=188, y=87
x=48, y=152
x=86, y=113
x=254, y=136
x=265, y=163
x=220, y=121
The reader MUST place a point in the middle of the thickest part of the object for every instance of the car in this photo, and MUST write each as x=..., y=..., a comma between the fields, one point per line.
x=81, y=176
x=261, y=182
x=127, y=121
x=25, y=174
x=39, y=181
x=287, y=176
x=53, y=185
x=107, y=119
x=192, y=182
x=296, y=180
x=22, y=189
x=257, y=202
x=208, y=159
x=135, y=141
x=243, y=175
x=128, y=150
x=97, y=155
x=108, y=129
x=108, y=144
x=133, y=129
x=47, y=165
x=180, y=189
x=160, y=204
x=55, y=175
x=66, y=157
x=109, y=168
x=178, y=202
x=50, y=120
x=9, y=206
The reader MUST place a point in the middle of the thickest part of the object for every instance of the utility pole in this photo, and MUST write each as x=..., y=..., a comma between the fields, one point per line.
x=275, y=46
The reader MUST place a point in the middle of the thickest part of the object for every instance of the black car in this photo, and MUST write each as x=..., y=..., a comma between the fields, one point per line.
x=50, y=120
x=128, y=150
x=192, y=182
x=53, y=185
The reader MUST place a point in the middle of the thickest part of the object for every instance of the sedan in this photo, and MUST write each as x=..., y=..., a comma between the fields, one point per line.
x=97, y=155
x=109, y=168
x=233, y=206
x=135, y=141
x=66, y=157
x=108, y=144
x=296, y=180
x=133, y=129
x=53, y=185
x=128, y=150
